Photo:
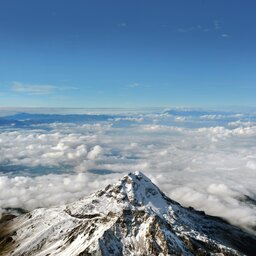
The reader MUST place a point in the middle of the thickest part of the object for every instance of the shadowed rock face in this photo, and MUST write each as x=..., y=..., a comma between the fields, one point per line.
x=132, y=217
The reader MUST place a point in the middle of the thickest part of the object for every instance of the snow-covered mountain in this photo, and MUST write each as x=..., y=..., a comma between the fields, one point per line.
x=131, y=217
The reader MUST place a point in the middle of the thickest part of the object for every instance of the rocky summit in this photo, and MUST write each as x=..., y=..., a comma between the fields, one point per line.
x=131, y=217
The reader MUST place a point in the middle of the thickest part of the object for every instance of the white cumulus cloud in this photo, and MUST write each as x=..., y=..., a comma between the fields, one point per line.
x=210, y=168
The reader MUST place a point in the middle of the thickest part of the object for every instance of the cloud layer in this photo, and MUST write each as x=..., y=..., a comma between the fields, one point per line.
x=210, y=166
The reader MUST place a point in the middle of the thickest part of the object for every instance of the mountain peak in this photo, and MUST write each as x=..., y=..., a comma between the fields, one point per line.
x=131, y=217
x=138, y=188
x=137, y=176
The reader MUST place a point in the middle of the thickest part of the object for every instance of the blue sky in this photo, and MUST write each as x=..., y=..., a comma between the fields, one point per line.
x=58, y=53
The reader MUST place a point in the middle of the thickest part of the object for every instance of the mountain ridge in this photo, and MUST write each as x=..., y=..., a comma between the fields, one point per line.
x=131, y=217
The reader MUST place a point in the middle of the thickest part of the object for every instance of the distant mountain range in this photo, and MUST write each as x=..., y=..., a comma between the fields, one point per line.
x=131, y=217
x=24, y=118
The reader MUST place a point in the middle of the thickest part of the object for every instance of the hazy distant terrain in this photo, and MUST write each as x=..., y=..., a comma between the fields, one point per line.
x=205, y=159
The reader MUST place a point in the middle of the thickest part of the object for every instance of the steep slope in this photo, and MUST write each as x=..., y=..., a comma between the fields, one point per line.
x=132, y=217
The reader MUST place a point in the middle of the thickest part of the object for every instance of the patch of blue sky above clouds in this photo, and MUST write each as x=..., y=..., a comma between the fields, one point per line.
x=127, y=53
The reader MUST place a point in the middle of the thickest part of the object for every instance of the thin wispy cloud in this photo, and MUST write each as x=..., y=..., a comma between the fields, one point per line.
x=190, y=29
x=122, y=25
x=197, y=28
x=32, y=89
x=224, y=35
x=38, y=89
x=135, y=85
x=216, y=25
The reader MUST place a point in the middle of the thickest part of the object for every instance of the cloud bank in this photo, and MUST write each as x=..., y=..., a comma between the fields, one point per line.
x=196, y=161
